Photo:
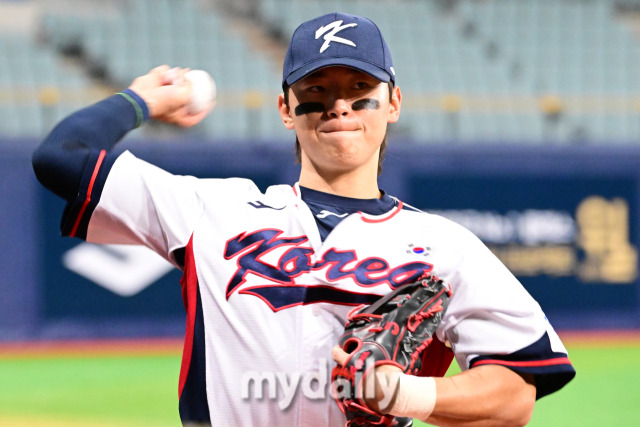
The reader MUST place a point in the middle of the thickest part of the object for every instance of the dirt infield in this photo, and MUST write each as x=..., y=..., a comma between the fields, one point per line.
x=30, y=421
x=173, y=346
x=108, y=347
x=601, y=338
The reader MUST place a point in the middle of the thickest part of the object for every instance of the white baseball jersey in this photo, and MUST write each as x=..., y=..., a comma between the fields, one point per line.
x=266, y=295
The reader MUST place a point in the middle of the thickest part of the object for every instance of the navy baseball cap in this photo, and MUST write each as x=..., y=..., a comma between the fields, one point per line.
x=338, y=39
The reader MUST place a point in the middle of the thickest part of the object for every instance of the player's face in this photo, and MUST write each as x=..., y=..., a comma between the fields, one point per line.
x=340, y=116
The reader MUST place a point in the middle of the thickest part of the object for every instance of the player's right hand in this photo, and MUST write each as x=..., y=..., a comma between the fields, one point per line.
x=385, y=386
x=166, y=93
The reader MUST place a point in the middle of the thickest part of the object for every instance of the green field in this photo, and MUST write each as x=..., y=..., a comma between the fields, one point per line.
x=126, y=390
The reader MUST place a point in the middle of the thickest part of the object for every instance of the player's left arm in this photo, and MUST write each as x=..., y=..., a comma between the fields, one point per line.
x=486, y=395
x=509, y=353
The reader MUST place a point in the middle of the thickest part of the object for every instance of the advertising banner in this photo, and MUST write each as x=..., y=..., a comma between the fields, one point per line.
x=564, y=221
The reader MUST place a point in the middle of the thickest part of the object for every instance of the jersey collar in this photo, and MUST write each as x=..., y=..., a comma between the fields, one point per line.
x=370, y=210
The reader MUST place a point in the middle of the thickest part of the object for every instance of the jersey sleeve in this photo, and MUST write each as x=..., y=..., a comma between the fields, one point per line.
x=125, y=200
x=79, y=209
x=492, y=319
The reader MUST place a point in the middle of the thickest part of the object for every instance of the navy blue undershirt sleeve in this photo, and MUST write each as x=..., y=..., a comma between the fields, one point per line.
x=74, y=160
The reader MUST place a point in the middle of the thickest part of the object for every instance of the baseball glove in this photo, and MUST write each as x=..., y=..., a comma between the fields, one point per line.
x=395, y=330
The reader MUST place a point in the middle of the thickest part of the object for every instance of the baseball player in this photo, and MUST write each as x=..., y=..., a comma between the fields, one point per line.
x=268, y=278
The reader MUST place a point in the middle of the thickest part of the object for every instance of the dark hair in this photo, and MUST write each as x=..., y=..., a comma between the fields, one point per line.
x=383, y=146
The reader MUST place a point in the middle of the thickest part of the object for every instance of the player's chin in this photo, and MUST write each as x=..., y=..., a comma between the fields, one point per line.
x=341, y=163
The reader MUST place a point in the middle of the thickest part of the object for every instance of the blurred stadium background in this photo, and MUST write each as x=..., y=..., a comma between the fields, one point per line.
x=521, y=120
x=512, y=72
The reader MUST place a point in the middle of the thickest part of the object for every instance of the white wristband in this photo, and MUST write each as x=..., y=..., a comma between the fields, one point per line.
x=416, y=397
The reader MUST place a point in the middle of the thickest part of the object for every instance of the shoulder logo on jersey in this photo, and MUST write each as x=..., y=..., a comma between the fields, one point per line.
x=330, y=32
x=259, y=205
x=325, y=213
x=278, y=260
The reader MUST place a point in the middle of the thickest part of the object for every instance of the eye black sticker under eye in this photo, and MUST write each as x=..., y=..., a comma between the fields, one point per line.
x=366, y=104
x=309, y=107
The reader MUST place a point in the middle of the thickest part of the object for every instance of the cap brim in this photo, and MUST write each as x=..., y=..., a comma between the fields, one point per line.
x=365, y=67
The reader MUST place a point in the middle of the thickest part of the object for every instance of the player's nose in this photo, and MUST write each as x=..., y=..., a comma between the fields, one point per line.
x=338, y=107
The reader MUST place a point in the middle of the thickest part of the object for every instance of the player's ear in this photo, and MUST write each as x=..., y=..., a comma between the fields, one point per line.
x=285, y=112
x=394, y=105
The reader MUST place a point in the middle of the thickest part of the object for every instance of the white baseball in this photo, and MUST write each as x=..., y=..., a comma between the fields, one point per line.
x=203, y=91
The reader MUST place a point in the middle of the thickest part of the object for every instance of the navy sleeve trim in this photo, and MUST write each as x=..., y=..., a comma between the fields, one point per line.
x=551, y=370
x=77, y=214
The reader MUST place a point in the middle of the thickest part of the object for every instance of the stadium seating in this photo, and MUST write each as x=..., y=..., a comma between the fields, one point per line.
x=501, y=71
x=37, y=88
x=500, y=58
x=148, y=33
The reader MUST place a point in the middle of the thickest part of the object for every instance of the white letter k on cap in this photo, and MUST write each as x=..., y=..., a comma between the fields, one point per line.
x=331, y=30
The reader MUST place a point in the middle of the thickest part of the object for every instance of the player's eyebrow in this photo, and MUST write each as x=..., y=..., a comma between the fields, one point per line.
x=309, y=107
x=366, y=104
